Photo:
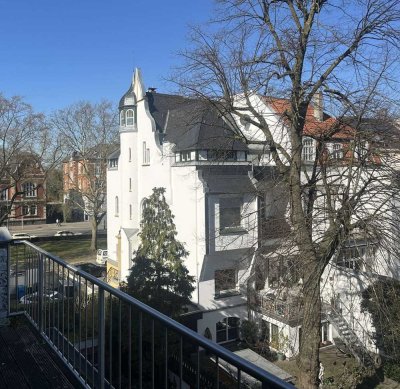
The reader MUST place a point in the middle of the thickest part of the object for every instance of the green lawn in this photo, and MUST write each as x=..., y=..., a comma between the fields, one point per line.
x=72, y=250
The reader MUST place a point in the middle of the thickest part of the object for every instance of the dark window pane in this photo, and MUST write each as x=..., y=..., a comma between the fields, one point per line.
x=229, y=217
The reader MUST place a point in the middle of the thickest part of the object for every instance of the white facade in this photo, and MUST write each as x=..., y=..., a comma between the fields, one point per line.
x=203, y=195
x=141, y=164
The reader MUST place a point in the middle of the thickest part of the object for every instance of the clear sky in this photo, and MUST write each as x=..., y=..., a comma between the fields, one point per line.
x=57, y=52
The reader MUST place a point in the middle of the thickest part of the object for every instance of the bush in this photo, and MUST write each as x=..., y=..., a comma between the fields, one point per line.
x=392, y=370
x=249, y=332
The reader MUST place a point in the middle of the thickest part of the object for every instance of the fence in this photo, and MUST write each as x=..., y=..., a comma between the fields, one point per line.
x=108, y=339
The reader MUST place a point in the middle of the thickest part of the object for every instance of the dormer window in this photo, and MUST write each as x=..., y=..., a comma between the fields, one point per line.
x=129, y=117
x=122, y=118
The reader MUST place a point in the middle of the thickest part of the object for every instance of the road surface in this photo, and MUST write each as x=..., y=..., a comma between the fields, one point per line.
x=51, y=229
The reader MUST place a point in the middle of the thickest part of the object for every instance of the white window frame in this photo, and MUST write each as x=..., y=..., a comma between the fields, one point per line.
x=335, y=150
x=223, y=206
x=225, y=330
x=33, y=206
x=29, y=189
x=122, y=120
x=130, y=116
x=308, y=153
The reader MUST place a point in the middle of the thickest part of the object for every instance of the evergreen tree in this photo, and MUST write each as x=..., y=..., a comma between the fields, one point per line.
x=159, y=277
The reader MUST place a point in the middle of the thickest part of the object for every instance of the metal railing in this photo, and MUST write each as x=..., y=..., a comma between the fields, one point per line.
x=109, y=339
x=289, y=310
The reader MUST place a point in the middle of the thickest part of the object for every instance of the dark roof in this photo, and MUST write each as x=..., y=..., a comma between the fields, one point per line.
x=128, y=94
x=191, y=124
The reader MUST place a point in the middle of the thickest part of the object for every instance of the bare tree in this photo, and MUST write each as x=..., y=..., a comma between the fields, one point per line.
x=22, y=133
x=301, y=51
x=89, y=133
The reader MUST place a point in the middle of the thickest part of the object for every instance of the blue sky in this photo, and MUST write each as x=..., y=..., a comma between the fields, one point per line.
x=54, y=52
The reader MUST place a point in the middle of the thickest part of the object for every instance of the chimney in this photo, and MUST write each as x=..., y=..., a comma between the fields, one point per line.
x=318, y=106
x=151, y=90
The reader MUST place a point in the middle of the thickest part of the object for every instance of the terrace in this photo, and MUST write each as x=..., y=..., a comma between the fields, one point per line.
x=101, y=337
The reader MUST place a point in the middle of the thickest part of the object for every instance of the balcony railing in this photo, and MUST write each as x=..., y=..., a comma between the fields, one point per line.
x=108, y=339
x=288, y=310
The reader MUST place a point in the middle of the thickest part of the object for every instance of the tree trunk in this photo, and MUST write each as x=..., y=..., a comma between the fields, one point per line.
x=308, y=358
x=93, y=244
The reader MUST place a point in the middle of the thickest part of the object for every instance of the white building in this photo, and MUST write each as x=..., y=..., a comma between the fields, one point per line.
x=232, y=214
x=171, y=142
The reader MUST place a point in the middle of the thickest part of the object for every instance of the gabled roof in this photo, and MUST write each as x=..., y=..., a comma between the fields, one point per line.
x=313, y=127
x=191, y=124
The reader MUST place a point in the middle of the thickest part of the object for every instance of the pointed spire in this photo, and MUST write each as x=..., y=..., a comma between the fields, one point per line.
x=138, y=84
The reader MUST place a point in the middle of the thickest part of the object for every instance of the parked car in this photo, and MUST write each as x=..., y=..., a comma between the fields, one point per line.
x=33, y=297
x=22, y=236
x=64, y=233
x=102, y=256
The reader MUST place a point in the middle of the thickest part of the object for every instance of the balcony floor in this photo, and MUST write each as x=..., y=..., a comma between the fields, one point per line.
x=26, y=361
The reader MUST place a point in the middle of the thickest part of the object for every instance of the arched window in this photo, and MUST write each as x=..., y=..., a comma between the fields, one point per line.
x=129, y=117
x=122, y=118
x=116, y=206
x=29, y=189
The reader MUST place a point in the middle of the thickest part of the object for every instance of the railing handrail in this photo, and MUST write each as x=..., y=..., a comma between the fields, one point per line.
x=216, y=349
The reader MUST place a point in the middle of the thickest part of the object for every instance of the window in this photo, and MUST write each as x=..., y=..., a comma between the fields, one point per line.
x=186, y=156
x=245, y=122
x=130, y=211
x=129, y=117
x=146, y=154
x=361, y=149
x=229, y=213
x=4, y=194
x=225, y=282
x=116, y=206
x=113, y=163
x=122, y=118
x=130, y=184
x=352, y=257
x=97, y=169
x=222, y=155
x=308, y=150
x=227, y=329
x=130, y=154
x=33, y=210
x=25, y=210
x=335, y=150
x=29, y=189
x=274, y=335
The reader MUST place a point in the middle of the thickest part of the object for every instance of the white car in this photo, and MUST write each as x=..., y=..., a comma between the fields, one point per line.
x=64, y=233
x=22, y=236
x=33, y=297
x=102, y=256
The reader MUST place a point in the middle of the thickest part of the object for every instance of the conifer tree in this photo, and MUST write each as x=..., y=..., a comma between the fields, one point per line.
x=159, y=277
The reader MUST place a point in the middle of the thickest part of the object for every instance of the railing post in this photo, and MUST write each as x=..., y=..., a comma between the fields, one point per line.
x=101, y=339
x=5, y=238
x=40, y=291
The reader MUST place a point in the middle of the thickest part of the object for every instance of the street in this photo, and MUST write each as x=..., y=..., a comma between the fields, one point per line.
x=51, y=229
